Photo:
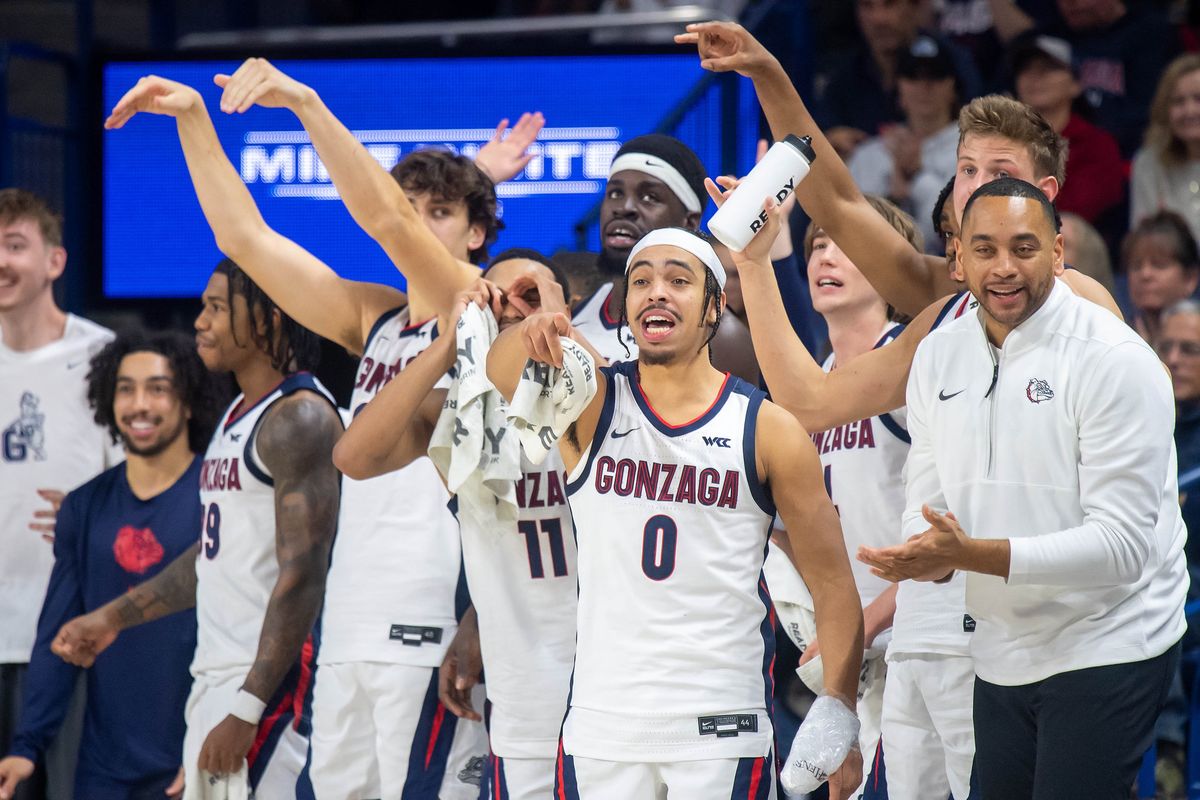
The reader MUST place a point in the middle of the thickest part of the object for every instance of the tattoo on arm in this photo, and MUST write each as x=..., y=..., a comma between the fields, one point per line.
x=296, y=443
x=173, y=589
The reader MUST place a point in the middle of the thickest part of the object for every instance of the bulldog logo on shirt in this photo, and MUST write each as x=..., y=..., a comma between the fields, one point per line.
x=27, y=434
x=1038, y=391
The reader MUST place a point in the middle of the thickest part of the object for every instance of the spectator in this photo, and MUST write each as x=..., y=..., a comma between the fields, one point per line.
x=154, y=394
x=1163, y=266
x=1084, y=249
x=1119, y=52
x=983, y=26
x=1179, y=347
x=50, y=443
x=1166, y=171
x=910, y=162
x=1046, y=81
x=860, y=95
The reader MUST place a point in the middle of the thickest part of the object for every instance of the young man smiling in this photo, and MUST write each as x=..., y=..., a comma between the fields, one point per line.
x=152, y=392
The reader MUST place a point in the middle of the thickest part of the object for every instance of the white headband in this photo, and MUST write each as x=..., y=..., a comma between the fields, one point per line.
x=653, y=165
x=677, y=237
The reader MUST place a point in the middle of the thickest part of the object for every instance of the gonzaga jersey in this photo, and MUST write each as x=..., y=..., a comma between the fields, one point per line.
x=676, y=636
x=863, y=464
x=592, y=320
x=237, y=566
x=932, y=617
x=390, y=591
x=48, y=440
x=523, y=584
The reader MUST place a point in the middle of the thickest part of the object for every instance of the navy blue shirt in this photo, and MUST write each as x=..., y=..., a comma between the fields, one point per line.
x=1187, y=445
x=107, y=541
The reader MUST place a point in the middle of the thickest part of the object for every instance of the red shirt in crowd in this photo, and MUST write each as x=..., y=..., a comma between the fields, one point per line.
x=1095, y=172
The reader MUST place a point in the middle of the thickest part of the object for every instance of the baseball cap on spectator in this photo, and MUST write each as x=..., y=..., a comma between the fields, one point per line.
x=926, y=58
x=1030, y=46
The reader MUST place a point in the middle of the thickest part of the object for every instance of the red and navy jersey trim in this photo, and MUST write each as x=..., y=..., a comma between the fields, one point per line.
x=297, y=381
x=630, y=370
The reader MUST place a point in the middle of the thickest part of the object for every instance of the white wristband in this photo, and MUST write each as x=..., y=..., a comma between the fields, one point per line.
x=247, y=707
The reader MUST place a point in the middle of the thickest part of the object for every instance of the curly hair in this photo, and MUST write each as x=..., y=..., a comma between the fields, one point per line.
x=292, y=347
x=198, y=389
x=451, y=178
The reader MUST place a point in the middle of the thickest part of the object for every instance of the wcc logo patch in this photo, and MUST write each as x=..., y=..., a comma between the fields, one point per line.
x=1038, y=391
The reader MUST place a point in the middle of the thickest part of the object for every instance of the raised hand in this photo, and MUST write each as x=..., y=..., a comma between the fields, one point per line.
x=258, y=82
x=154, y=95
x=83, y=638
x=726, y=47
x=541, y=333
x=504, y=157
x=482, y=293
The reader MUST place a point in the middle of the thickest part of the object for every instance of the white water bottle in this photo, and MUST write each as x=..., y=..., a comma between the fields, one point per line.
x=777, y=175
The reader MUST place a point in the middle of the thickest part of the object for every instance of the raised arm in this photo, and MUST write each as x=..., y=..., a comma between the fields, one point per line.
x=537, y=337
x=174, y=589
x=908, y=280
x=866, y=386
x=303, y=286
x=394, y=429
x=372, y=196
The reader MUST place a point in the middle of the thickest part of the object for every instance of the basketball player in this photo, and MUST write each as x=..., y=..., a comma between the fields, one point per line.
x=270, y=498
x=381, y=649
x=673, y=472
x=127, y=524
x=655, y=181
x=49, y=443
x=523, y=580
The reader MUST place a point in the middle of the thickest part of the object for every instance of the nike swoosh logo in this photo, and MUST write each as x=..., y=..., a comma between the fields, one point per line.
x=74, y=364
x=617, y=435
x=943, y=396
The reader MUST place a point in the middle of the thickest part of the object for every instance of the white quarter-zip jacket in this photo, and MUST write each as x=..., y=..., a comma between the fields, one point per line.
x=1060, y=441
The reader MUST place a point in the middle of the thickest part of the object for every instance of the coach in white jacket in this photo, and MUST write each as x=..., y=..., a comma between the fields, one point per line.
x=1043, y=426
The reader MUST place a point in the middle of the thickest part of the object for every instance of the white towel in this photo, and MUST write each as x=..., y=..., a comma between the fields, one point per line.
x=549, y=399
x=471, y=445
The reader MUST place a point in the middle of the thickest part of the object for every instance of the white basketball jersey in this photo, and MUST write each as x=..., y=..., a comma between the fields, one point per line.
x=524, y=588
x=863, y=464
x=237, y=567
x=676, y=635
x=391, y=587
x=592, y=320
x=48, y=440
x=932, y=617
